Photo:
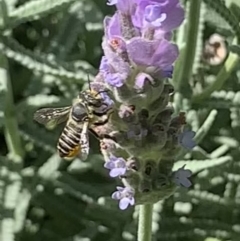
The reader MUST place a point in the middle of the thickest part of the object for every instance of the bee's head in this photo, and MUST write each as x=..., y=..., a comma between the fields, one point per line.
x=92, y=97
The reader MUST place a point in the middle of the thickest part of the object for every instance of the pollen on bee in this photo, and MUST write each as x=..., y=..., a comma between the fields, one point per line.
x=74, y=152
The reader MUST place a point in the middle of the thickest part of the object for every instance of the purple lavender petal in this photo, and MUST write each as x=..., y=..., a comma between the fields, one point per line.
x=120, y=188
x=159, y=53
x=160, y=34
x=123, y=203
x=158, y=21
x=117, y=72
x=113, y=158
x=147, y=49
x=107, y=100
x=116, y=195
x=181, y=176
x=115, y=163
x=132, y=201
x=104, y=66
x=109, y=165
x=121, y=163
x=129, y=191
x=117, y=172
x=120, y=66
x=186, y=183
x=112, y=26
x=190, y=134
x=165, y=54
x=176, y=17
x=167, y=72
x=165, y=15
x=141, y=79
x=184, y=173
x=154, y=15
x=114, y=79
x=152, y=12
x=186, y=139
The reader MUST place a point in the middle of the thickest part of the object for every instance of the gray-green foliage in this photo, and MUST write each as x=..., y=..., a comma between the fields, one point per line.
x=47, y=49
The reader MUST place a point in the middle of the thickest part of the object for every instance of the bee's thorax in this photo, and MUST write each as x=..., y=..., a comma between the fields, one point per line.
x=79, y=112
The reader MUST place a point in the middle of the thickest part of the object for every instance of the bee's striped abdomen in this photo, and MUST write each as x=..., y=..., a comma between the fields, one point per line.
x=69, y=142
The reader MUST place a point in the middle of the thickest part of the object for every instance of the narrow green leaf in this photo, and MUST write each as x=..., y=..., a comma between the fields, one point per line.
x=33, y=10
x=199, y=165
x=192, y=29
x=36, y=62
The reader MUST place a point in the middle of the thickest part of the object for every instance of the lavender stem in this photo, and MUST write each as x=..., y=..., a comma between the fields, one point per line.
x=145, y=222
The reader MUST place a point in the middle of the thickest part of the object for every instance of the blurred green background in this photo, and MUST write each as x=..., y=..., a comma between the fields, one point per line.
x=47, y=50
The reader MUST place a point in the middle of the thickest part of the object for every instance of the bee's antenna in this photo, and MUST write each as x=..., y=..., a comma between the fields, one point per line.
x=102, y=91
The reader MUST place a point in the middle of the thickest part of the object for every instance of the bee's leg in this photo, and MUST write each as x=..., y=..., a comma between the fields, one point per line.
x=84, y=142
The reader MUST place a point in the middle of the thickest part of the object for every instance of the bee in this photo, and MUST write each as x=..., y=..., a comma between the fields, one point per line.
x=86, y=110
x=215, y=50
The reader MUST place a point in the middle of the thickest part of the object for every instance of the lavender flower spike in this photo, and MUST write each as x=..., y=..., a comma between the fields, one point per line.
x=117, y=166
x=180, y=177
x=125, y=195
x=186, y=139
x=140, y=130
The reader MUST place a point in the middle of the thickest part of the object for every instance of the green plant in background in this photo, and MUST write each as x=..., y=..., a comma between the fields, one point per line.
x=48, y=48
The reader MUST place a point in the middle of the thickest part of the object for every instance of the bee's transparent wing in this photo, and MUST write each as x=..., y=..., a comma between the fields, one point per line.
x=52, y=116
x=84, y=142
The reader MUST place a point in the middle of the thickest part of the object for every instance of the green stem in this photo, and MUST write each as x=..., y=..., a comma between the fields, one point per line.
x=11, y=131
x=187, y=60
x=145, y=222
x=229, y=65
x=4, y=14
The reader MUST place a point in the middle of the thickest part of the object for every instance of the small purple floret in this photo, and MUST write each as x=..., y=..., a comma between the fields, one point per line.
x=180, y=177
x=153, y=15
x=186, y=139
x=107, y=100
x=125, y=195
x=157, y=53
x=112, y=78
x=141, y=80
x=116, y=165
x=167, y=72
x=165, y=15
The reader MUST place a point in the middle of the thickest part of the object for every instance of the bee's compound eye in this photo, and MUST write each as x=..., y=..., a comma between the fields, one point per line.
x=79, y=113
x=95, y=102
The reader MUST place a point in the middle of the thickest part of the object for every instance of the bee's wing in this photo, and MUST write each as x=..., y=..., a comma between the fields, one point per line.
x=52, y=116
x=84, y=141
